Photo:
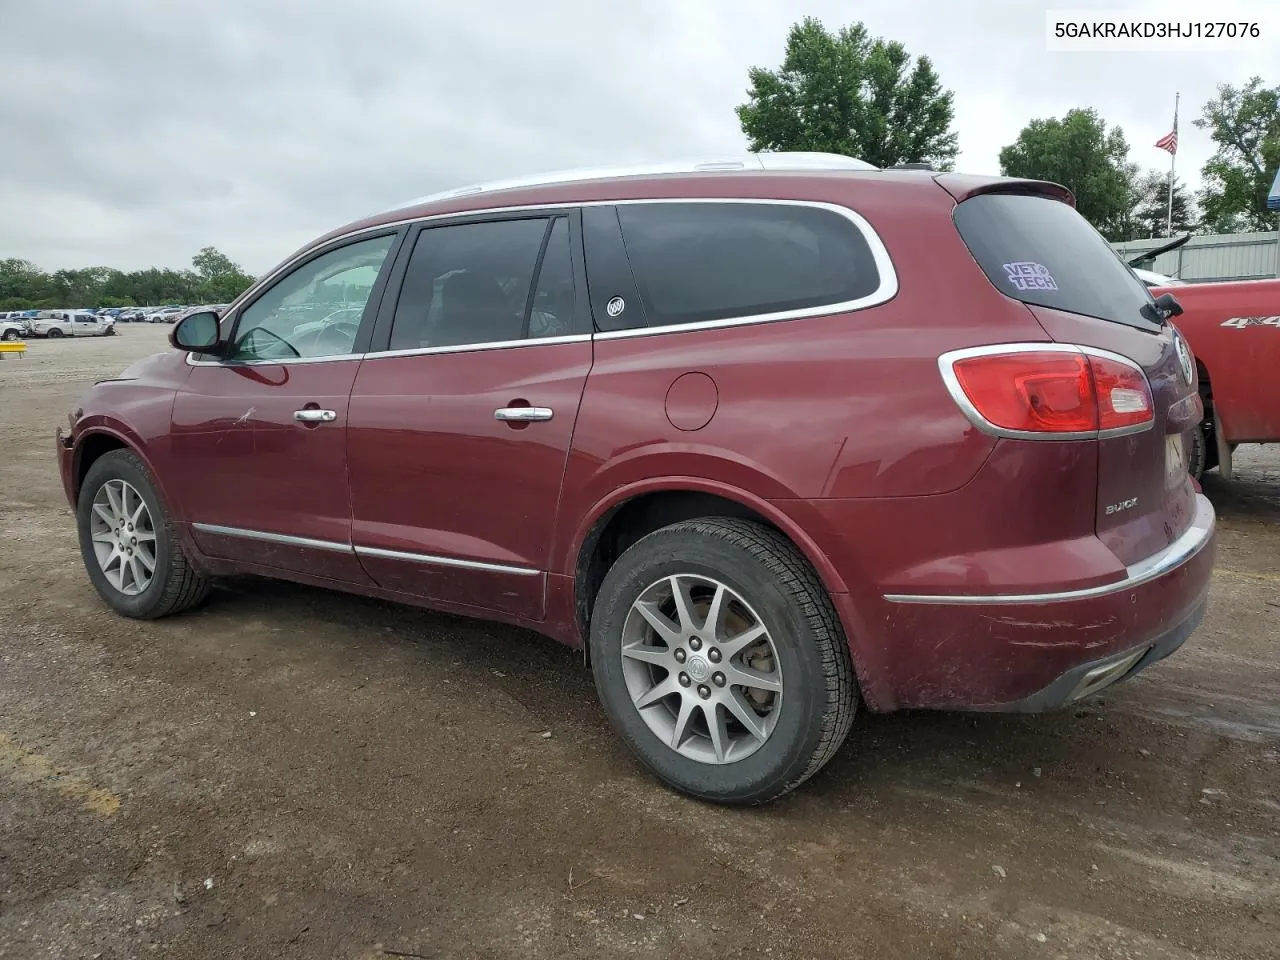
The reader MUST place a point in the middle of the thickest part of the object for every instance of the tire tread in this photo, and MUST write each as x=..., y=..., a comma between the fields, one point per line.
x=184, y=586
x=792, y=572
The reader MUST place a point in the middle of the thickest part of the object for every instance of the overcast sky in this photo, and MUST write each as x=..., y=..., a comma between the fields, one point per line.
x=134, y=132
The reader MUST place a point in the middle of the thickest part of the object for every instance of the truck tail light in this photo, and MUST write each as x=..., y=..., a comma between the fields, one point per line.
x=1048, y=391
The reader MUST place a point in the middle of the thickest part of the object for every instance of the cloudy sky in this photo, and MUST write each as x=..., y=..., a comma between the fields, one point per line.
x=134, y=132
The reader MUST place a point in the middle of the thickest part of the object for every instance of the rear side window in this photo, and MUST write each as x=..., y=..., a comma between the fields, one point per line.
x=1042, y=252
x=472, y=283
x=697, y=262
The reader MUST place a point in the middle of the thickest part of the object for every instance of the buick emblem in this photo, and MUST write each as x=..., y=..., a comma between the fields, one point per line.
x=1184, y=357
x=699, y=669
x=615, y=306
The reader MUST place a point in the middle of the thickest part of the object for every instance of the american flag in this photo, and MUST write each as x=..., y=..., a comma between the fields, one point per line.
x=1170, y=140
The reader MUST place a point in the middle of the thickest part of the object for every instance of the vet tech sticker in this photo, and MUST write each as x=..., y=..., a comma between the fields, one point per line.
x=1028, y=275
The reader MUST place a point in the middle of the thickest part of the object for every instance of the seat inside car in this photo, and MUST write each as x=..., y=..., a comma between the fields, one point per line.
x=475, y=310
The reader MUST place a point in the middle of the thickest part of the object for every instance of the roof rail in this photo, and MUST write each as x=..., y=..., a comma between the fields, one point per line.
x=781, y=160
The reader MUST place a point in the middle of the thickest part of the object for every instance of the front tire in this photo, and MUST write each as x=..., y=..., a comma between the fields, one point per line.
x=721, y=662
x=130, y=547
x=53, y=334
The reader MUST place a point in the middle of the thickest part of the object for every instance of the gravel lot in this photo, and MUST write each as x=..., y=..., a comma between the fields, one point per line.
x=287, y=773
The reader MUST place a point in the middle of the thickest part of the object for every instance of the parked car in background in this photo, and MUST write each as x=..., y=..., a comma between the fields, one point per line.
x=165, y=314
x=13, y=327
x=1233, y=329
x=65, y=323
x=770, y=446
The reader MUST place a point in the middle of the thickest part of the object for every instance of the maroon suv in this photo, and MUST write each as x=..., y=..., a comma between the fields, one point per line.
x=770, y=438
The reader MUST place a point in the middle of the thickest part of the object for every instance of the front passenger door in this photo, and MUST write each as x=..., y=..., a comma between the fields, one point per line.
x=260, y=435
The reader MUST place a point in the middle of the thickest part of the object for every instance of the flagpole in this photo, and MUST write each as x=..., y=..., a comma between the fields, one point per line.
x=1173, y=159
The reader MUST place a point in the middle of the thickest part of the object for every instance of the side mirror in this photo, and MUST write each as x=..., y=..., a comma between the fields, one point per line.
x=1162, y=308
x=197, y=333
x=1169, y=305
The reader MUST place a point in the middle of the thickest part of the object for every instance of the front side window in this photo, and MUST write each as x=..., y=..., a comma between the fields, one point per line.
x=316, y=310
x=470, y=283
x=697, y=262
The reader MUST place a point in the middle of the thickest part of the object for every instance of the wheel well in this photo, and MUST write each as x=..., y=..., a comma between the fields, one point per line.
x=1205, y=384
x=636, y=518
x=90, y=449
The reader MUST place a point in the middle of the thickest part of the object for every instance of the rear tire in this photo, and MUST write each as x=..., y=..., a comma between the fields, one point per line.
x=782, y=704
x=11, y=335
x=131, y=550
x=1203, y=455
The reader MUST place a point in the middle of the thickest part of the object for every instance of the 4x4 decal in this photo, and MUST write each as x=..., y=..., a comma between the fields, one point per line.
x=1242, y=322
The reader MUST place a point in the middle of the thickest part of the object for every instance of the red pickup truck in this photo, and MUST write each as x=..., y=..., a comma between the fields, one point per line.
x=1233, y=328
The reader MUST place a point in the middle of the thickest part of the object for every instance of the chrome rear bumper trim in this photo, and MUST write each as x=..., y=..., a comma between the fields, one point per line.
x=1180, y=551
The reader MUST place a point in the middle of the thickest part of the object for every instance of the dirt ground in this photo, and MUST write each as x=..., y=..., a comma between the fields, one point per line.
x=287, y=773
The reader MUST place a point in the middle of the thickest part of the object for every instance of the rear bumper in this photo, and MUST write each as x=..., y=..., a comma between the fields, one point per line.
x=1030, y=651
x=1094, y=676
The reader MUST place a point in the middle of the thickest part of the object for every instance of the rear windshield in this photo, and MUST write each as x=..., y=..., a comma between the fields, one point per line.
x=1042, y=252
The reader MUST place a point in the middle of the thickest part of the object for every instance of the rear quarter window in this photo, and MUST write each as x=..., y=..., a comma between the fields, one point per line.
x=1042, y=252
x=700, y=262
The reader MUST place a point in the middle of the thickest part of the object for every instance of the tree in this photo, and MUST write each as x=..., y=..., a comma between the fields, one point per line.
x=219, y=279
x=850, y=94
x=1080, y=153
x=216, y=279
x=1244, y=123
x=1151, y=207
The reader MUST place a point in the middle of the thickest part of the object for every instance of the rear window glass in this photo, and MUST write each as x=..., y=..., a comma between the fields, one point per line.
x=1042, y=252
x=696, y=262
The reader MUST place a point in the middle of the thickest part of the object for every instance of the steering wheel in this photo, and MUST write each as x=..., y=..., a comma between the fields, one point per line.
x=257, y=331
x=338, y=336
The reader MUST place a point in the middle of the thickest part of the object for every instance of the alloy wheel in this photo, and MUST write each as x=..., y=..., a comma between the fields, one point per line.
x=701, y=669
x=124, y=537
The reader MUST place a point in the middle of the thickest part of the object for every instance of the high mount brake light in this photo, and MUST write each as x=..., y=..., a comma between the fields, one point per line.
x=1049, y=391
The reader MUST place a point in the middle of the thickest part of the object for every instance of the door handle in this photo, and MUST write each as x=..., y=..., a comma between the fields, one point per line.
x=315, y=416
x=523, y=414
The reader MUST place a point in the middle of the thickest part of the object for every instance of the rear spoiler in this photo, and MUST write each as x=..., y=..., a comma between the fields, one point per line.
x=1156, y=251
x=964, y=186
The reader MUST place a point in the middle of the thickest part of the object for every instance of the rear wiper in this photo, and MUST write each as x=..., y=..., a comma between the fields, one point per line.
x=1162, y=308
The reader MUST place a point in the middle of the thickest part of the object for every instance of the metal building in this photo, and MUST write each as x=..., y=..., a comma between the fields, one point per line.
x=1229, y=256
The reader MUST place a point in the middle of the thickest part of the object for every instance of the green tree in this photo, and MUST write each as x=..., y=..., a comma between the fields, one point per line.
x=850, y=94
x=1080, y=153
x=1151, y=207
x=1244, y=124
x=220, y=280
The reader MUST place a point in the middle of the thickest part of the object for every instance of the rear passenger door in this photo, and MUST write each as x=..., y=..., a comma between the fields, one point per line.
x=463, y=411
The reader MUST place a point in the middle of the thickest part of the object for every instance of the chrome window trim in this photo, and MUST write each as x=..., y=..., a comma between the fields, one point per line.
x=1183, y=549
x=952, y=383
x=438, y=561
x=468, y=348
x=886, y=291
x=335, y=547
x=291, y=361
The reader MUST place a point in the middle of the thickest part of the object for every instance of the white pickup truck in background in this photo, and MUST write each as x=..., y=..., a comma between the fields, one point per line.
x=72, y=323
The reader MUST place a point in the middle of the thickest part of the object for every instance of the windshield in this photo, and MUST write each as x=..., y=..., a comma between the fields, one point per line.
x=1042, y=252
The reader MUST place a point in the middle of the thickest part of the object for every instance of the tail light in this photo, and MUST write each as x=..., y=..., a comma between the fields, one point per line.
x=1049, y=391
